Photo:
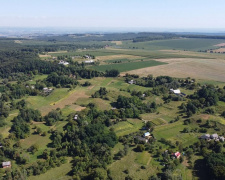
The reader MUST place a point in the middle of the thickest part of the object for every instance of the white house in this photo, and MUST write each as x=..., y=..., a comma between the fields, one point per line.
x=205, y=136
x=47, y=90
x=89, y=61
x=175, y=91
x=63, y=62
x=147, y=134
x=221, y=138
x=214, y=136
x=75, y=117
x=131, y=82
x=6, y=164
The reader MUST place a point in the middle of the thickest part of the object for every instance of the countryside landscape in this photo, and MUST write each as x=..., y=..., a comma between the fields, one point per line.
x=112, y=90
x=80, y=110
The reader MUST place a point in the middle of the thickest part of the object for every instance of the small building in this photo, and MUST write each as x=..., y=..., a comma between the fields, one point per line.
x=214, y=136
x=143, y=95
x=205, y=136
x=147, y=134
x=131, y=82
x=177, y=155
x=175, y=91
x=141, y=139
x=6, y=164
x=63, y=62
x=75, y=117
x=47, y=90
x=221, y=138
x=0, y=145
x=89, y=61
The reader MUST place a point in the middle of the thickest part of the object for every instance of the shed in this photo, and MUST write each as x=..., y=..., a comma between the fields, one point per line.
x=214, y=136
x=6, y=164
x=147, y=134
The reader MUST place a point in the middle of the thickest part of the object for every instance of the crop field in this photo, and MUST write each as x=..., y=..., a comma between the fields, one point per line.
x=128, y=66
x=181, y=44
x=210, y=69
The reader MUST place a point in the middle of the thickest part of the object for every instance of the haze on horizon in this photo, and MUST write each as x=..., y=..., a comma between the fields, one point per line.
x=158, y=14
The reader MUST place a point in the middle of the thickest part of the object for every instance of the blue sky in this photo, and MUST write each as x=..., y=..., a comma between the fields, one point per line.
x=182, y=14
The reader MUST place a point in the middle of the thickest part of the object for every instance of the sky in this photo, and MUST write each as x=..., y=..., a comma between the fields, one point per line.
x=161, y=14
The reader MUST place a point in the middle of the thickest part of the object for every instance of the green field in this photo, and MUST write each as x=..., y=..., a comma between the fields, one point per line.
x=180, y=44
x=127, y=127
x=123, y=67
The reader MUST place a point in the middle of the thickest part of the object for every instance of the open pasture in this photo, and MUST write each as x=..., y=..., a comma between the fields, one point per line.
x=191, y=44
x=59, y=98
x=133, y=162
x=123, y=67
x=127, y=127
x=208, y=69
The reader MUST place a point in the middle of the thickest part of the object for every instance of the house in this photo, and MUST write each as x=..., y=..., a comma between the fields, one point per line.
x=47, y=90
x=221, y=138
x=89, y=61
x=139, y=138
x=6, y=164
x=147, y=134
x=131, y=82
x=214, y=136
x=75, y=117
x=206, y=136
x=87, y=57
x=63, y=62
x=175, y=91
x=176, y=155
x=0, y=145
x=143, y=95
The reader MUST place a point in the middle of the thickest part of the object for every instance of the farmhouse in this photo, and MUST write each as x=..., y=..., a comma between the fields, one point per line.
x=131, y=82
x=75, y=117
x=141, y=139
x=147, y=134
x=221, y=138
x=214, y=136
x=205, y=136
x=63, y=62
x=47, y=90
x=89, y=61
x=6, y=164
x=176, y=155
x=177, y=91
x=86, y=56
